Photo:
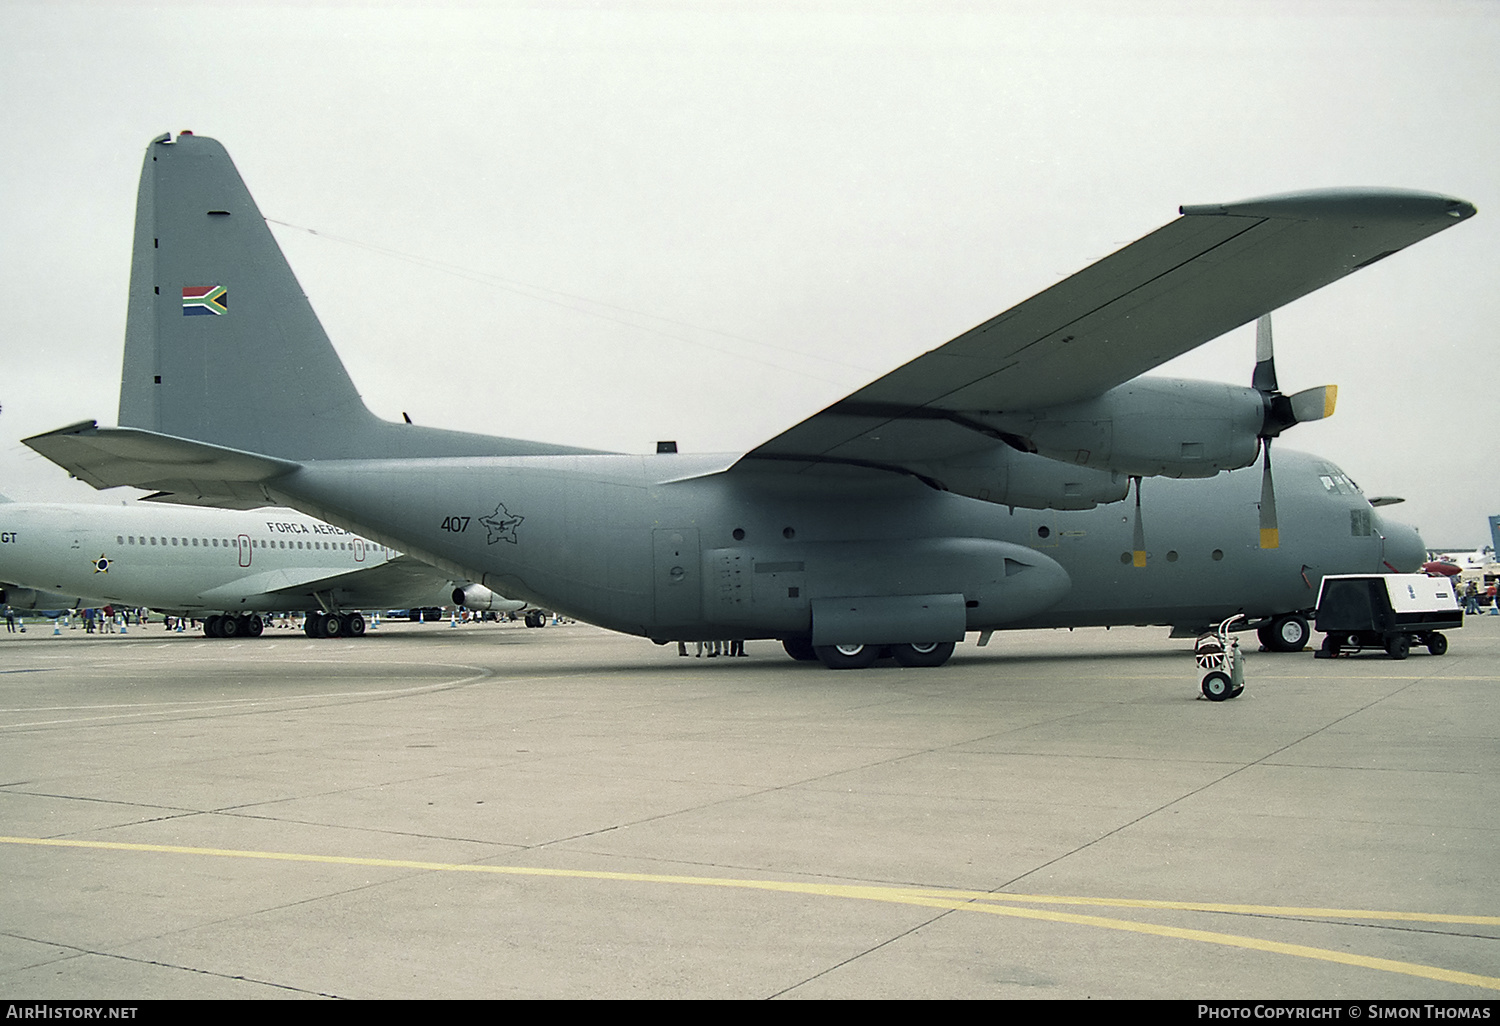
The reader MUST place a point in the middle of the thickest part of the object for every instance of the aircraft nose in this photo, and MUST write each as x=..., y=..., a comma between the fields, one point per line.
x=1404, y=550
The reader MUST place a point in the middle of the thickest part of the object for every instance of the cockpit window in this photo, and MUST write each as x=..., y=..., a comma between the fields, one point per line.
x=1336, y=482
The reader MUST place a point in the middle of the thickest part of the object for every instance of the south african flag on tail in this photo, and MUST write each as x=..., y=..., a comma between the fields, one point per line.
x=200, y=300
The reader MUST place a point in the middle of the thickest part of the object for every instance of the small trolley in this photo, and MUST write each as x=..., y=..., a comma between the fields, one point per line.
x=1218, y=653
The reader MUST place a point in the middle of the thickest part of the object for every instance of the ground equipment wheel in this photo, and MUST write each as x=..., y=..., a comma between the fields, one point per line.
x=1330, y=645
x=1216, y=686
x=847, y=657
x=932, y=654
x=1397, y=646
x=800, y=649
x=1437, y=643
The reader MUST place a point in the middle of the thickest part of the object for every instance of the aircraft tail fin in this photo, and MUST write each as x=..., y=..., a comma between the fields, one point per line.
x=221, y=344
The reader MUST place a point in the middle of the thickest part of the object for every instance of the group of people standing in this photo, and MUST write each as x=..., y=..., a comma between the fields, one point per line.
x=714, y=648
x=1473, y=598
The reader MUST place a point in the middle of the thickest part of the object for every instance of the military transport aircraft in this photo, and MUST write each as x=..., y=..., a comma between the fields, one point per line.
x=224, y=566
x=984, y=485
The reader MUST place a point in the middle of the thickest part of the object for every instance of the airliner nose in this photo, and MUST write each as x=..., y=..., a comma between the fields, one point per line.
x=1404, y=551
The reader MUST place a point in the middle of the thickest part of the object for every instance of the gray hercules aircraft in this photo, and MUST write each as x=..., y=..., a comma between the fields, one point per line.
x=224, y=566
x=985, y=485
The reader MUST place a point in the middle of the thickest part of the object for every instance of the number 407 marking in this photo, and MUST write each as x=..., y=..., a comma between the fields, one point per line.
x=455, y=524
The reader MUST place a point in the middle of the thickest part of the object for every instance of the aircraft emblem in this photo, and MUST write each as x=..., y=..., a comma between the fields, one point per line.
x=501, y=525
x=204, y=300
x=101, y=565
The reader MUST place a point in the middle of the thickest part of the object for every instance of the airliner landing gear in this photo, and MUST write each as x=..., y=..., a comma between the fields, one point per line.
x=234, y=626
x=333, y=625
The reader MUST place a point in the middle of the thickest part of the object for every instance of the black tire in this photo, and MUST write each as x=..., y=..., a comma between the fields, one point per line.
x=800, y=649
x=211, y=627
x=848, y=657
x=1397, y=646
x=229, y=627
x=933, y=654
x=1330, y=645
x=254, y=626
x=1437, y=643
x=333, y=626
x=1286, y=633
x=1216, y=686
x=312, y=626
x=356, y=625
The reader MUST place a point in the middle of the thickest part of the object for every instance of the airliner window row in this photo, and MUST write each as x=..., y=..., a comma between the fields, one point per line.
x=228, y=543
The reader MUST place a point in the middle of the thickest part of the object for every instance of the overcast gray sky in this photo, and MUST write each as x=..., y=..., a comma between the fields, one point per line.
x=606, y=223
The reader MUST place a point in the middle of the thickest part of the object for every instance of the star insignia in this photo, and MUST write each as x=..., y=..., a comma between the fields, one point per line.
x=501, y=525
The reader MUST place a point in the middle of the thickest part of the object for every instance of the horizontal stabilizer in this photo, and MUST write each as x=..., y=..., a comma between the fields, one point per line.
x=195, y=473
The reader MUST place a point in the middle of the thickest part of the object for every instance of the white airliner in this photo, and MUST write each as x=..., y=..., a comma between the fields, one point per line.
x=227, y=566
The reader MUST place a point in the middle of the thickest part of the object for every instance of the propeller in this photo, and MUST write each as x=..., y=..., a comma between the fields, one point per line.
x=1282, y=412
x=1138, y=544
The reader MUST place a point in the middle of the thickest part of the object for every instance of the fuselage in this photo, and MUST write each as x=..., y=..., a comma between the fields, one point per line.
x=673, y=547
x=197, y=560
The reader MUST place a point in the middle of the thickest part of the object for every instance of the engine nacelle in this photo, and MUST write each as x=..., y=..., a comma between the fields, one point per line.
x=1149, y=427
x=30, y=598
x=1009, y=477
x=477, y=596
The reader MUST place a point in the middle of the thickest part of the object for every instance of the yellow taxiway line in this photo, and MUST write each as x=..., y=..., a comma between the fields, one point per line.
x=992, y=903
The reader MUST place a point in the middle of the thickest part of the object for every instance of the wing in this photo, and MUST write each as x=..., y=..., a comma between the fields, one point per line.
x=402, y=581
x=1213, y=269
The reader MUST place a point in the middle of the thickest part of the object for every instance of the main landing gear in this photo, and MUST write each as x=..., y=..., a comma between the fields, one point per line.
x=250, y=626
x=857, y=657
x=333, y=625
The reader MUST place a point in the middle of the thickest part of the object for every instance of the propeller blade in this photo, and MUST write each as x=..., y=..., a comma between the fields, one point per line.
x=1314, y=403
x=1138, y=553
x=1264, y=378
x=1270, y=536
